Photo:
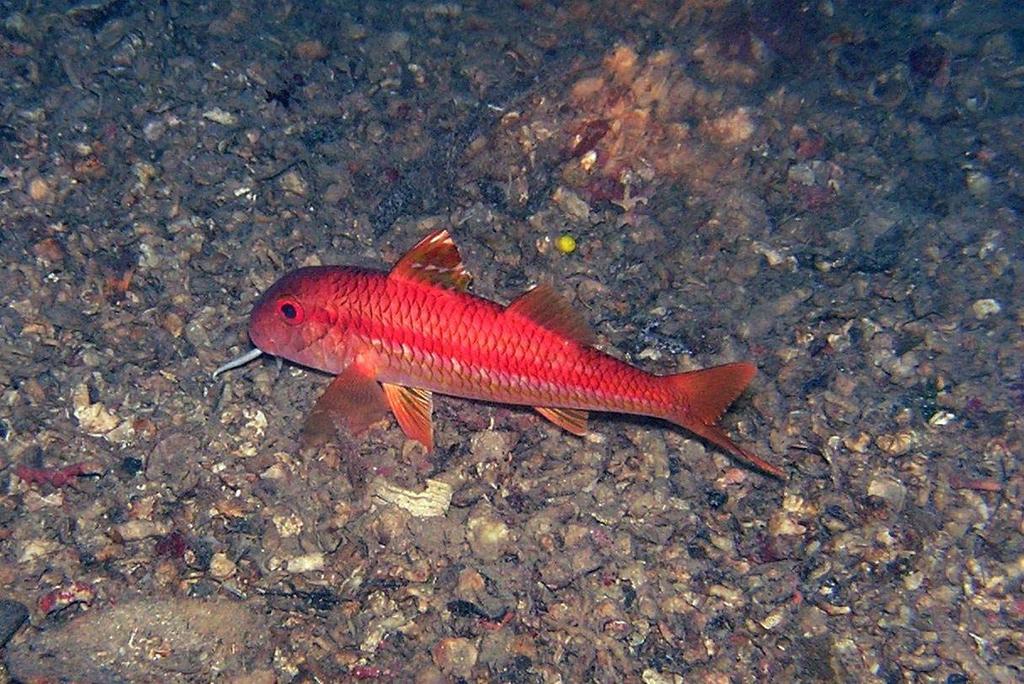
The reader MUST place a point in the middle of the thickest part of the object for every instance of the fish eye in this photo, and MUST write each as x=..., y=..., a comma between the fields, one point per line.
x=291, y=311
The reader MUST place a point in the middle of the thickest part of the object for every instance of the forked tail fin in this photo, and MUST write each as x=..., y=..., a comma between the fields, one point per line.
x=703, y=396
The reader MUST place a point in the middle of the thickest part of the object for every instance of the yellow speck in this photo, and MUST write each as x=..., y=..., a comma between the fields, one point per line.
x=566, y=244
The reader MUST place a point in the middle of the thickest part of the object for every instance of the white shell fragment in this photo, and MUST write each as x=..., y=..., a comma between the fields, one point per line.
x=432, y=501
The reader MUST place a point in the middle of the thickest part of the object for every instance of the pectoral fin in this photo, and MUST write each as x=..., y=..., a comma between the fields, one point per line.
x=573, y=420
x=413, y=408
x=352, y=402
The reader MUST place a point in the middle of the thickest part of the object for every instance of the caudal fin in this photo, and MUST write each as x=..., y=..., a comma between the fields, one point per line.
x=703, y=396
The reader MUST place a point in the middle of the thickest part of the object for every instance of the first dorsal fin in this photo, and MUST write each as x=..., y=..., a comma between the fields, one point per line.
x=434, y=260
x=545, y=307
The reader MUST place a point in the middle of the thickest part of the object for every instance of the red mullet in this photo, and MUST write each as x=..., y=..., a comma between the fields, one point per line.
x=393, y=339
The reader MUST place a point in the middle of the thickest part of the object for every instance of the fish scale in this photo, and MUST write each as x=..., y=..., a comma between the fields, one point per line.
x=503, y=360
x=393, y=338
x=494, y=359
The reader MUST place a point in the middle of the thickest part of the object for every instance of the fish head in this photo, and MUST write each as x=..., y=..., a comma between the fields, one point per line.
x=297, y=319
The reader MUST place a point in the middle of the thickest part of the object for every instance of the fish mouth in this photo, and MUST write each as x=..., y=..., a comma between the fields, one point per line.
x=264, y=344
x=261, y=340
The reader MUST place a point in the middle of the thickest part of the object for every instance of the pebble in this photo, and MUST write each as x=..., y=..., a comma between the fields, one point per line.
x=218, y=115
x=572, y=204
x=733, y=128
x=455, y=656
x=983, y=308
x=39, y=190
x=488, y=536
x=309, y=562
x=897, y=443
x=294, y=183
x=148, y=639
x=173, y=324
x=398, y=43
x=434, y=500
x=94, y=418
x=979, y=184
x=154, y=129
x=37, y=548
x=48, y=249
x=310, y=50
x=222, y=567
x=889, y=490
x=134, y=530
x=12, y=616
x=652, y=676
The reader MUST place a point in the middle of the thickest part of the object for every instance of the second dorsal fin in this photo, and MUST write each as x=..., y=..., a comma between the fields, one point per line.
x=545, y=307
x=434, y=260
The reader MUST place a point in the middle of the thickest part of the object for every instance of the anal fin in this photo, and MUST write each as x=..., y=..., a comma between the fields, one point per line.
x=353, y=402
x=413, y=408
x=572, y=420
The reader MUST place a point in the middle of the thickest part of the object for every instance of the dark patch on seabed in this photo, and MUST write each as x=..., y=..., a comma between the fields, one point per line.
x=831, y=190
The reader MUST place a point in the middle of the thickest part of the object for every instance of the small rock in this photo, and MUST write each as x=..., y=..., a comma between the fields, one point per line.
x=39, y=190
x=455, y=656
x=572, y=204
x=379, y=628
x=95, y=419
x=398, y=43
x=355, y=32
x=781, y=525
x=983, y=308
x=48, y=249
x=287, y=524
x=134, y=530
x=490, y=445
x=774, y=618
x=978, y=184
x=471, y=584
x=222, y=567
x=218, y=115
x=733, y=128
x=37, y=548
x=309, y=562
x=173, y=324
x=488, y=536
x=801, y=174
x=154, y=129
x=430, y=675
x=775, y=257
x=146, y=639
x=897, y=443
x=310, y=50
x=432, y=501
x=12, y=616
x=857, y=443
x=889, y=490
x=294, y=183
x=652, y=676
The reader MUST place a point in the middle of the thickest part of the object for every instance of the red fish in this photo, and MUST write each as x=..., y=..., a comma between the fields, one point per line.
x=393, y=339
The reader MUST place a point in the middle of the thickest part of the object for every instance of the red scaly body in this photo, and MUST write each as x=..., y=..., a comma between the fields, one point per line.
x=455, y=343
x=417, y=331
